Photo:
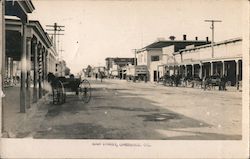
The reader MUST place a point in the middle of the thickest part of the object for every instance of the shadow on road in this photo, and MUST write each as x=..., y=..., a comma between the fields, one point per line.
x=81, y=131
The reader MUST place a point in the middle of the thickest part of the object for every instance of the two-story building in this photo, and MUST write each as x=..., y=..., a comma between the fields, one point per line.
x=161, y=52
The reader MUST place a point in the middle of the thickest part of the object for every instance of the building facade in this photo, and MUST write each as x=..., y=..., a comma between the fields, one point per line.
x=99, y=72
x=114, y=65
x=224, y=60
x=29, y=53
x=60, y=68
x=161, y=52
x=221, y=59
x=110, y=61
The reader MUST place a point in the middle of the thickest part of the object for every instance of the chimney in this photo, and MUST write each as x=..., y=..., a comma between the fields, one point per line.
x=207, y=39
x=184, y=37
x=172, y=38
x=196, y=38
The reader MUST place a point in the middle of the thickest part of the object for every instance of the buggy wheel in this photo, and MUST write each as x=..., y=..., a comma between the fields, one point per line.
x=85, y=91
x=228, y=83
x=209, y=86
x=59, y=96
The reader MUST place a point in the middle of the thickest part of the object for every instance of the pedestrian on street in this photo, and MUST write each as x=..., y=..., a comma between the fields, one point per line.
x=223, y=83
x=101, y=76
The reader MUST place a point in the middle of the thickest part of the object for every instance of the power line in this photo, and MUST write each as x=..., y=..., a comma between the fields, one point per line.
x=56, y=32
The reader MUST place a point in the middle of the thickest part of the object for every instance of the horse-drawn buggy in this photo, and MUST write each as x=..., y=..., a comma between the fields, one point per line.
x=61, y=85
x=207, y=83
x=213, y=81
x=174, y=80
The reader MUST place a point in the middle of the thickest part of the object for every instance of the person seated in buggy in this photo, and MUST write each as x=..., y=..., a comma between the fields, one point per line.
x=52, y=79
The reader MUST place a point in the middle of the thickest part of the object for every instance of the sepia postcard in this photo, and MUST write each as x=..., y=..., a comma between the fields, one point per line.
x=124, y=78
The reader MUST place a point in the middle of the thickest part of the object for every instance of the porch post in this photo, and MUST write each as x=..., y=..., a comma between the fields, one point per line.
x=40, y=72
x=226, y=69
x=45, y=67
x=157, y=73
x=180, y=72
x=44, y=70
x=237, y=74
x=223, y=68
x=47, y=64
x=11, y=70
x=212, y=69
x=192, y=70
x=35, y=71
x=8, y=67
x=185, y=70
x=122, y=73
x=200, y=73
x=28, y=58
x=23, y=91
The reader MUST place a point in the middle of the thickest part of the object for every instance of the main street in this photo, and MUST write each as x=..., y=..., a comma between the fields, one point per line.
x=125, y=110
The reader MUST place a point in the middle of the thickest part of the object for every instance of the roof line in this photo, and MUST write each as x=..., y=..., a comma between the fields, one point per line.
x=209, y=45
x=177, y=41
x=44, y=36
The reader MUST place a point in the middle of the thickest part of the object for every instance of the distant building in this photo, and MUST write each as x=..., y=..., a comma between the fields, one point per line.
x=118, y=61
x=99, y=71
x=161, y=51
x=87, y=71
x=114, y=65
x=61, y=68
x=198, y=61
x=67, y=71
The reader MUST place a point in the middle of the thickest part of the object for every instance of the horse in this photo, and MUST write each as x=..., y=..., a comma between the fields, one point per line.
x=211, y=82
x=58, y=91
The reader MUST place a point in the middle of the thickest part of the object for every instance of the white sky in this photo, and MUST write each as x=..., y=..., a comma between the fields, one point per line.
x=114, y=28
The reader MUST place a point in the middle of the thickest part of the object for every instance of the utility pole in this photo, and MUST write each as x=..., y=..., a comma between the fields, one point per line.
x=212, y=27
x=61, y=53
x=56, y=32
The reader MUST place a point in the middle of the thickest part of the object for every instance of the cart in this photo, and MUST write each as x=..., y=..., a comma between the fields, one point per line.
x=61, y=85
